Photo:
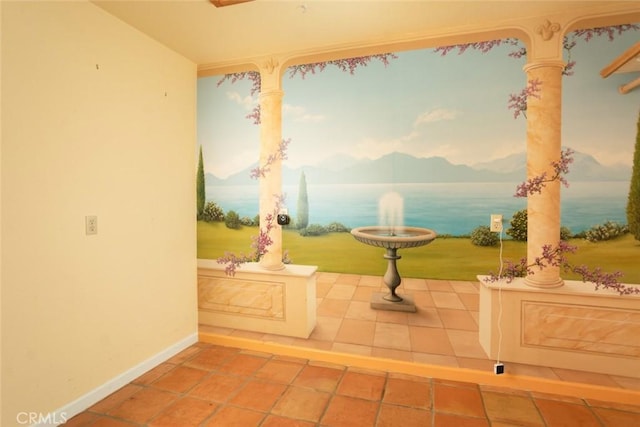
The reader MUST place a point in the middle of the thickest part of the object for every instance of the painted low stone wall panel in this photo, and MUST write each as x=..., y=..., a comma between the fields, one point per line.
x=261, y=299
x=571, y=327
x=281, y=302
x=588, y=329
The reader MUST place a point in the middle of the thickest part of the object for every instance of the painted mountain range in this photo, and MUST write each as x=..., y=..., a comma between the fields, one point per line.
x=405, y=168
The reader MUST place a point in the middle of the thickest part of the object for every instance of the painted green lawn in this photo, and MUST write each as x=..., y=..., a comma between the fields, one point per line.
x=445, y=258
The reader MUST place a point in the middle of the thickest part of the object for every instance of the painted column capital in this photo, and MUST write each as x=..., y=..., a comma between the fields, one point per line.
x=270, y=69
x=546, y=39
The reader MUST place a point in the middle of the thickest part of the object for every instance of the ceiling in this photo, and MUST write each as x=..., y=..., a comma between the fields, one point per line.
x=214, y=36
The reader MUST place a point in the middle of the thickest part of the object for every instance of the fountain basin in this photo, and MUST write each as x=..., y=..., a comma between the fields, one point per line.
x=388, y=238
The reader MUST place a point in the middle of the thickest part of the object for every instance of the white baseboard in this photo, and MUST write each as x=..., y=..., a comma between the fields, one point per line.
x=99, y=393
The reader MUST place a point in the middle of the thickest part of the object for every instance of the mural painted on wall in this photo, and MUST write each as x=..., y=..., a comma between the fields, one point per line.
x=434, y=126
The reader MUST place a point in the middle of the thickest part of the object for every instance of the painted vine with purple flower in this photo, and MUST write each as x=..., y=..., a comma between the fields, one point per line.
x=280, y=154
x=518, y=102
x=347, y=64
x=256, y=87
x=260, y=244
x=551, y=256
x=557, y=256
x=536, y=184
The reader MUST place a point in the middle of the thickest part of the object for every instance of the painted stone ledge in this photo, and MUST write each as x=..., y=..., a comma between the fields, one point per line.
x=570, y=327
x=279, y=302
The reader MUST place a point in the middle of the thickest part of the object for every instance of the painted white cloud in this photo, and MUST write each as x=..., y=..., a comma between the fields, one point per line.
x=232, y=164
x=246, y=102
x=436, y=115
x=299, y=114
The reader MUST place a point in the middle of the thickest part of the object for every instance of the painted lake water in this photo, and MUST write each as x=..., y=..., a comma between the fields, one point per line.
x=450, y=208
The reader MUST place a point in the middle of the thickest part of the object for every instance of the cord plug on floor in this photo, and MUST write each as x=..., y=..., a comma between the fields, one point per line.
x=498, y=369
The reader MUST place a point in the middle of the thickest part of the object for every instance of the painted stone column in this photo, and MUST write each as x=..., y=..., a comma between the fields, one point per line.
x=544, y=146
x=271, y=96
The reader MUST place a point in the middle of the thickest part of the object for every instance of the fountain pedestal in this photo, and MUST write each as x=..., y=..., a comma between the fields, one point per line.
x=392, y=277
x=410, y=237
x=392, y=301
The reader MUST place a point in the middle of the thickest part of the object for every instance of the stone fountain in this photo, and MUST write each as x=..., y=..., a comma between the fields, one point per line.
x=392, y=235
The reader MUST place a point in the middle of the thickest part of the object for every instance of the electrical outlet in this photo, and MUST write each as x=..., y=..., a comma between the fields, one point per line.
x=496, y=223
x=91, y=224
x=498, y=368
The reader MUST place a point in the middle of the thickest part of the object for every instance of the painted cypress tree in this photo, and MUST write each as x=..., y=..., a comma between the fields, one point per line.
x=633, y=203
x=200, y=192
x=303, y=204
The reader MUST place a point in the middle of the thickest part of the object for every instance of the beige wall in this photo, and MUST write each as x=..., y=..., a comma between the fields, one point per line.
x=97, y=119
x=1, y=379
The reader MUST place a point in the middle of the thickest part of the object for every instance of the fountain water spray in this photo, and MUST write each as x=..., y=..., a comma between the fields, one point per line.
x=391, y=212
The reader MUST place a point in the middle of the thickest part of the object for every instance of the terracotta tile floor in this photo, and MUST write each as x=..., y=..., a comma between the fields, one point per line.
x=212, y=385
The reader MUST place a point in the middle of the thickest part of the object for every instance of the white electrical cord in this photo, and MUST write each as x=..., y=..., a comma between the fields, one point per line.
x=500, y=301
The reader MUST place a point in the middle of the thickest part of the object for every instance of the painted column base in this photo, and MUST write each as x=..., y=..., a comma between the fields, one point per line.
x=281, y=302
x=571, y=327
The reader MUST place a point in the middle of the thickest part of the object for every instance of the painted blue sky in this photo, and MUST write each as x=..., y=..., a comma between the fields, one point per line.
x=423, y=104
